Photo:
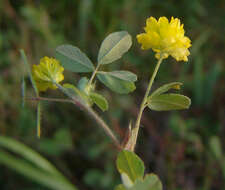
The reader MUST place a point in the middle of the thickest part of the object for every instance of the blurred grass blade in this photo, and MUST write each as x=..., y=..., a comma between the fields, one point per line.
x=85, y=15
x=28, y=154
x=37, y=175
x=211, y=81
x=199, y=42
x=216, y=147
x=39, y=119
x=198, y=80
x=23, y=91
x=24, y=57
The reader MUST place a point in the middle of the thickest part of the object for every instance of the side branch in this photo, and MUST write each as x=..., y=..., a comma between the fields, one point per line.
x=89, y=110
x=49, y=99
x=104, y=126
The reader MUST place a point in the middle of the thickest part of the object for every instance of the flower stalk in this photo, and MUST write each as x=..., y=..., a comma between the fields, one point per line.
x=93, y=75
x=90, y=111
x=133, y=139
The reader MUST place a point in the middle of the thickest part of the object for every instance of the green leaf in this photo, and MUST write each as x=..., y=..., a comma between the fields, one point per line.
x=166, y=87
x=123, y=75
x=85, y=87
x=73, y=59
x=120, y=187
x=82, y=84
x=99, y=100
x=150, y=182
x=74, y=91
x=165, y=102
x=129, y=163
x=114, y=46
x=117, y=81
x=126, y=180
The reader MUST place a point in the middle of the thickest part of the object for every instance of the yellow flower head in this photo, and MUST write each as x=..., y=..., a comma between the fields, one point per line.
x=47, y=72
x=165, y=38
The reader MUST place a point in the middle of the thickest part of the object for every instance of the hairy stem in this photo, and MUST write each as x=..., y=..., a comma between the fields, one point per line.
x=142, y=107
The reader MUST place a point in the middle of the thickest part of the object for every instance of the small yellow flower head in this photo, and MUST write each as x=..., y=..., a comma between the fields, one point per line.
x=46, y=73
x=165, y=38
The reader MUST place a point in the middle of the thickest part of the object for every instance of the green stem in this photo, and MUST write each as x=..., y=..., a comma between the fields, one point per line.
x=49, y=99
x=93, y=114
x=39, y=120
x=103, y=125
x=93, y=75
x=143, y=105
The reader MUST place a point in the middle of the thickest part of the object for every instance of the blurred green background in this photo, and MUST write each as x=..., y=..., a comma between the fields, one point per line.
x=185, y=148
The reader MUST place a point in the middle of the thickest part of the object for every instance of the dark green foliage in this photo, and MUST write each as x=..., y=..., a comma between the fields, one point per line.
x=180, y=148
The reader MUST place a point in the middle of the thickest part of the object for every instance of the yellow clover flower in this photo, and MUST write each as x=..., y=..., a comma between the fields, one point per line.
x=165, y=38
x=47, y=72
